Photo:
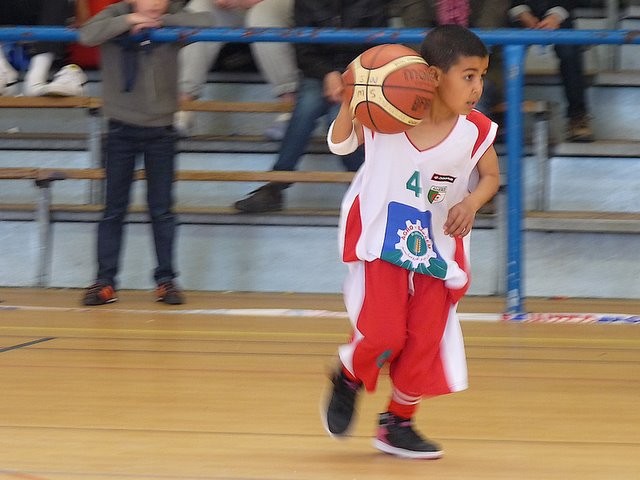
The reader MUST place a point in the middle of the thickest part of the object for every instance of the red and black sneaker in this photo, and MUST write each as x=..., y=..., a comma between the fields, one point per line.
x=396, y=436
x=99, y=294
x=167, y=292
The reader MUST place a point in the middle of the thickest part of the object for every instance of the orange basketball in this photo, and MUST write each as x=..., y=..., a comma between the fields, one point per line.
x=389, y=88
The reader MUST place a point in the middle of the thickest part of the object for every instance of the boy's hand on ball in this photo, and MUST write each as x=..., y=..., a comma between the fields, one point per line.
x=333, y=87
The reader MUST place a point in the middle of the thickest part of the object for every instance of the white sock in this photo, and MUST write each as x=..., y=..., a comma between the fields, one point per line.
x=39, y=66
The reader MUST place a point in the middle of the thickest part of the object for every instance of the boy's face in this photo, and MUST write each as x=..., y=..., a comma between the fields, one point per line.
x=461, y=86
x=150, y=8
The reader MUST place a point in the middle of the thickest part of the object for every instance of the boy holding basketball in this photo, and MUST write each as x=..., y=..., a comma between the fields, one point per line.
x=404, y=234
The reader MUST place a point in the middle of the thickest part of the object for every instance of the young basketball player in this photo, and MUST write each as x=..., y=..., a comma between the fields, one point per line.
x=404, y=234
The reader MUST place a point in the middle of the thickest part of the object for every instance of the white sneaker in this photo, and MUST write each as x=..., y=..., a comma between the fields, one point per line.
x=277, y=129
x=8, y=82
x=67, y=82
x=184, y=123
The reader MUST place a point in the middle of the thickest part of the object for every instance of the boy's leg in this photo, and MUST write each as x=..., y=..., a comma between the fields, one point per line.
x=418, y=370
x=159, y=162
x=377, y=313
x=120, y=160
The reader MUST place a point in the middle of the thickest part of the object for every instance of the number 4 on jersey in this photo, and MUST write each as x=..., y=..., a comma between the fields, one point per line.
x=413, y=184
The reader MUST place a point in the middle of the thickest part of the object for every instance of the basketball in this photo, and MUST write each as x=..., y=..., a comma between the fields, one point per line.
x=389, y=88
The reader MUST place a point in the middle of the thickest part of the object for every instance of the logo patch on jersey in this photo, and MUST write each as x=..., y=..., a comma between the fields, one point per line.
x=436, y=177
x=408, y=242
x=436, y=194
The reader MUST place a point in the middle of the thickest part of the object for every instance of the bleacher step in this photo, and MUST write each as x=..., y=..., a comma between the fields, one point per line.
x=600, y=148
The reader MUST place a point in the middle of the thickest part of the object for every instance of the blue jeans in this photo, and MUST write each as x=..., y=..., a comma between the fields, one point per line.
x=311, y=104
x=157, y=146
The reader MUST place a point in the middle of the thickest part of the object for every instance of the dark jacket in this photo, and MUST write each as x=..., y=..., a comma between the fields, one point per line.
x=315, y=60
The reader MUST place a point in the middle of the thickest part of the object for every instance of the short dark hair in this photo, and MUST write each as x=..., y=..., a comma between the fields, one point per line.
x=445, y=44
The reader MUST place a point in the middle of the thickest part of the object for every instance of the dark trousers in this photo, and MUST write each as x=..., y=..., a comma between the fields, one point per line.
x=38, y=12
x=157, y=145
x=572, y=75
x=310, y=106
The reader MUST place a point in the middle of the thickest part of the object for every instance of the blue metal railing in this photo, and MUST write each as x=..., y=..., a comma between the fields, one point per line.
x=515, y=41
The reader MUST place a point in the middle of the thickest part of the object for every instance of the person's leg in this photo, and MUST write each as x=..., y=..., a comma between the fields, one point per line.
x=276, y=61
x=121, y=150
x=573, y=81
x=418, y=370
x=50, y=12
x=376, y=297
x=8, y=76
x=310, y=105
x=196, y=59
x=159, y=146
x=572, y=74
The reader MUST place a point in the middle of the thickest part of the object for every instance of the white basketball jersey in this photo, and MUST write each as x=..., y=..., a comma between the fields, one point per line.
x=398, y=202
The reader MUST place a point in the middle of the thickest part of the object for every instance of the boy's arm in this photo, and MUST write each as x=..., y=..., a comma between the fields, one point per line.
x=107, y=24
x=114, y=21
x=461, y=216
x=345, y=133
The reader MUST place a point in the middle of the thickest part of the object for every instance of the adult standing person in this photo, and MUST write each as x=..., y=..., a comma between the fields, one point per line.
x=321, y=87
x=275, y=60
x=140, y=98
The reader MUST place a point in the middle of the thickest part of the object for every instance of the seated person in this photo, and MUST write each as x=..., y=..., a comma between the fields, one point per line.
x=551, y=15
x=275, y=60
x=321, y=87
x=68, y=81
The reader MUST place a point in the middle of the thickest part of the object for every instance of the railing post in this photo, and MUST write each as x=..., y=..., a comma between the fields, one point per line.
x=43, y=214
x=514, y=75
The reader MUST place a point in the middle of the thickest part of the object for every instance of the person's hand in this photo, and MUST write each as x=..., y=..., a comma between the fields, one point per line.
x=460, y=219
x=333, y=87
x=550, y=22
x=528, y=20
x=140, y=22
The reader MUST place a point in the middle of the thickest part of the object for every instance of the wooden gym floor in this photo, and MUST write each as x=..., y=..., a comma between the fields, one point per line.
x=137, y=390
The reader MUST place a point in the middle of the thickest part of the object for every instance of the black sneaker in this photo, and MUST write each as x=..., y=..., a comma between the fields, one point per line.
x=99, y=294
x=168, y=293
x=338, y=414
x=397, y=437
x=267, y=198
